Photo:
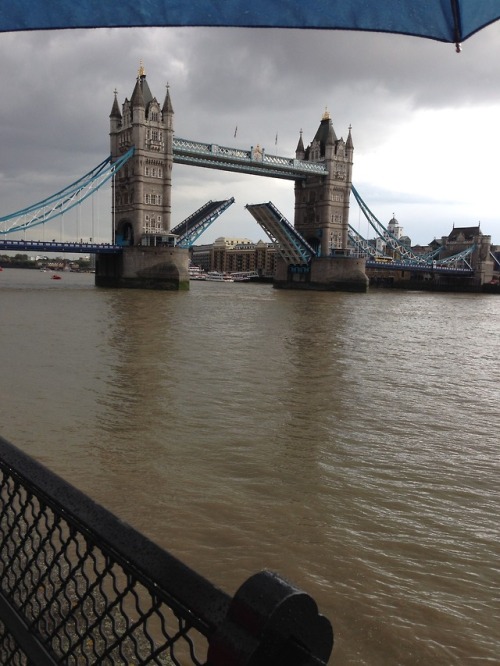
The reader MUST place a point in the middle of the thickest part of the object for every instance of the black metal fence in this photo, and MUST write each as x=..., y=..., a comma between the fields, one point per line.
x=78, y=586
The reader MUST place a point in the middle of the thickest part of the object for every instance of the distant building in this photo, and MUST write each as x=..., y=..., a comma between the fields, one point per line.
x=394, y=230
x=462, y=238
x=235, y=255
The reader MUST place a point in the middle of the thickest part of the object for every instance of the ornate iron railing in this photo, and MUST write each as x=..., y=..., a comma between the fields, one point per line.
x=254, y=161
x=78, y=586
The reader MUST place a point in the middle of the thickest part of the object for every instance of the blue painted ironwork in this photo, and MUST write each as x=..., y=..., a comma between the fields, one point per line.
x=407, y=258
x=61, y=248
x=292, y=247
x=496, y=259
x=79, y=586
x=432, y=267
x=255, y=161
x=363, y=246
x=193, y=226
x=460, y=257
x=64, y=200
x=381, y=231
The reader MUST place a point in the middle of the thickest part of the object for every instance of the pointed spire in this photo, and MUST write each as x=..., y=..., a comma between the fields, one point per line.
x=331, y=137
x=167, y=104
x=300, y=146
x=137, y=98
x=115, y=110
x=325, y=134
x=349, y=144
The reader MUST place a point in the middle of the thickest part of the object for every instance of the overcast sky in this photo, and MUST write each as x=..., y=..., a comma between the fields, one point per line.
x=425, y=120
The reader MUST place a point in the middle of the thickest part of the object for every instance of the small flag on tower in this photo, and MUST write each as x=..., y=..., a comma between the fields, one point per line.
x=235, y=131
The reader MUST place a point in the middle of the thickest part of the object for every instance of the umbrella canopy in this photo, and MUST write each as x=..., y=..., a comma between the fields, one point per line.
x=444, y=20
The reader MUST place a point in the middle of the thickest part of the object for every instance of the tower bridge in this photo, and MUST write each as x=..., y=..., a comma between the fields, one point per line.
x=142, y=190
x=319, y=250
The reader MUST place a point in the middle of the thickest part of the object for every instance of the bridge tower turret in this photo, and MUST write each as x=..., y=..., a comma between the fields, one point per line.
x=322, y=202
x=142, y=188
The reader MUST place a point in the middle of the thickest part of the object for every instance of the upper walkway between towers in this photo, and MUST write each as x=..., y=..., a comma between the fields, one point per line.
x=254, y=161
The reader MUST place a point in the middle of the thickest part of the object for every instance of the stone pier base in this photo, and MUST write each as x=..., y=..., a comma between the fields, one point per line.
x=325, y=274
x=142, y=267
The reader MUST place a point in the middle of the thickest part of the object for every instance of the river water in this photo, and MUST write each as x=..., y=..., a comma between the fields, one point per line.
x=347, y=441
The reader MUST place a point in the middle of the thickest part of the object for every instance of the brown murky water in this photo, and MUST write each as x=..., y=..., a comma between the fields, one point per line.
x=349, y=442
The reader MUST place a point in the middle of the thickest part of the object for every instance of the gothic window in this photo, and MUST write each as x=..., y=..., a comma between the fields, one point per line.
x=154, y=135
x=148, y=198
x=147, y=171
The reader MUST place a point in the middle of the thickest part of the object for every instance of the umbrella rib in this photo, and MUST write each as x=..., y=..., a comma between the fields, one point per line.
x=457, y=24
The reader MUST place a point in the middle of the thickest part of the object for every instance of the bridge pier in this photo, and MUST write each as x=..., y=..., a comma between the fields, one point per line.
x=143, y=267
x=339, y=273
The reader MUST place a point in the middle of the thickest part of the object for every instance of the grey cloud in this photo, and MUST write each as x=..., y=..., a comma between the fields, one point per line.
x=58, y=90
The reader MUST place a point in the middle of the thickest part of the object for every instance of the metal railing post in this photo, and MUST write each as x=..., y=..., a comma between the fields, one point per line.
x=271, y=623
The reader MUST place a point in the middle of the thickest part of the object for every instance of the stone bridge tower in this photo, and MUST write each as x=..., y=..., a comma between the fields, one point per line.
x=322, y=202
x=143, y=187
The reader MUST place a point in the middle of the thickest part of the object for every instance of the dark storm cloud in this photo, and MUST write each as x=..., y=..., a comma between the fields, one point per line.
x=58, y=91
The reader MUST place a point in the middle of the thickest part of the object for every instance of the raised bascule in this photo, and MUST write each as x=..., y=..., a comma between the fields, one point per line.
x=314, y=251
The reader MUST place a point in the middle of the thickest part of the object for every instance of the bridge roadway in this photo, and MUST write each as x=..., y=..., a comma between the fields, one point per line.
x=54, y=246
x=109, y=248
x=421, y=268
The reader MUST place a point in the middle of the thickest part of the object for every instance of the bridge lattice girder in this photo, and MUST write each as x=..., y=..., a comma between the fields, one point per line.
x=426, y=261
x=257, y=163
x=391, y=240
x=64, y=200
x=361, y=244
x=193, y=226
x=292, y=247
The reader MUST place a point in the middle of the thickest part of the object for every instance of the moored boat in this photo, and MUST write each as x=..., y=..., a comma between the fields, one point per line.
x=197, y=273
x=215, y=276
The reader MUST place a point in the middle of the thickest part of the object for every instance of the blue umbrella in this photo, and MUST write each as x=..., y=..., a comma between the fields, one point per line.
x=444, y=20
